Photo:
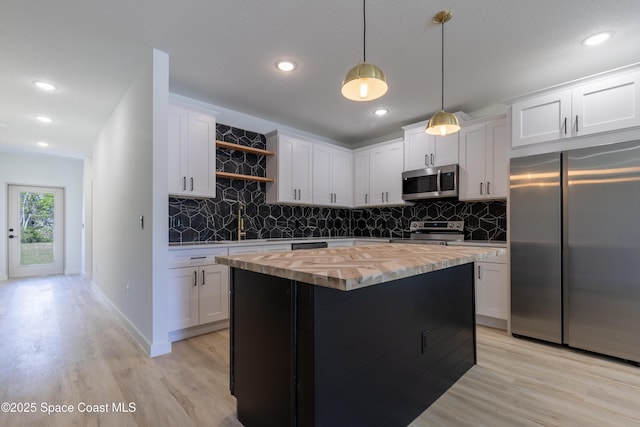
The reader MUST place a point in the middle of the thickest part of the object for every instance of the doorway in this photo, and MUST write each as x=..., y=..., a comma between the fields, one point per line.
x=35, y=230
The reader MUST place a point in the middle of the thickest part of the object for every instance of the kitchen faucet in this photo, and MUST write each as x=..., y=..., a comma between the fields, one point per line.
x=241, y=231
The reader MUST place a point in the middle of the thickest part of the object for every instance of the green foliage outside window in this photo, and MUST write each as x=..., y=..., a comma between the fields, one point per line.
x=36, y=217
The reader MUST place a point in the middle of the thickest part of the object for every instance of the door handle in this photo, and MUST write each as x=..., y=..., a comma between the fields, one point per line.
x=11, y=236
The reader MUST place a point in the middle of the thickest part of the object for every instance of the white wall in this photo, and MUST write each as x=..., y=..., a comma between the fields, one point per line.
x=51, y=172
x=125, y=188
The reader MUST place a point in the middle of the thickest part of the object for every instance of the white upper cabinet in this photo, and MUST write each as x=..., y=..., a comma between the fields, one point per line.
x=192, y=152
x=291, y=168
x=361, y=178
x=422, y=150
x=483, y=161
x=607, y=104
x=332, y=176
x=378, y=174
x=541, y=119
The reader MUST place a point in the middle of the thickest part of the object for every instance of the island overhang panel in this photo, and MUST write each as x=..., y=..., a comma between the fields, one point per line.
x=304, y=354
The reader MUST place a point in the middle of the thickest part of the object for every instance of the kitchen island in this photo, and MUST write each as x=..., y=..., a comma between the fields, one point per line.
x=358, y=336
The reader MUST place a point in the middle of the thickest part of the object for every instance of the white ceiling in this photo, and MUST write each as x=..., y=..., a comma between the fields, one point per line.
x=223, y=53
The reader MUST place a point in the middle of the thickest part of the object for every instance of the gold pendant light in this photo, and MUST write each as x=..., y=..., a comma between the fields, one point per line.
x=443, y=123
x=364, y=82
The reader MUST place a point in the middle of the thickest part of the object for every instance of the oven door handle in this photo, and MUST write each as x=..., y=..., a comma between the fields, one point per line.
x=438, y=188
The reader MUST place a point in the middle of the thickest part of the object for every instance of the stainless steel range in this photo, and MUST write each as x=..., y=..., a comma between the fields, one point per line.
x=434, y=232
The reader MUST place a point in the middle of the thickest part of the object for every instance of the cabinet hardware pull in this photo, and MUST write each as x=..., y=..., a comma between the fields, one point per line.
x=191, y=183
x=387, y=196
x=294, y=194
x=366, y=197
x=299, y=194
x=479, y=272
x=198, y=257
x=195, y=278
x=203, y=277
x=184, y=183
x=426, y=160
x=481, y=188
x=577, y=124
x=565, y=125
x=431, y=159
x=488, y=188
x=438, y=181
x=382, y=196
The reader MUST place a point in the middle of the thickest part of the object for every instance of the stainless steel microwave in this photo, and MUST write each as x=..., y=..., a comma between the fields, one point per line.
x=430, y=183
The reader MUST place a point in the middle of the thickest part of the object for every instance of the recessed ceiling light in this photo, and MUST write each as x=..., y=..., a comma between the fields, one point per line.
x=45, y=85
x=286, y=65
x=380, y=112
x=44, y=119
x=597, y=39
x=42, y=144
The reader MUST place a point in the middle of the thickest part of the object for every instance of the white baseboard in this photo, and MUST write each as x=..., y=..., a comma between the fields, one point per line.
x=491, y=322
x=182, y=334
x=153, y=350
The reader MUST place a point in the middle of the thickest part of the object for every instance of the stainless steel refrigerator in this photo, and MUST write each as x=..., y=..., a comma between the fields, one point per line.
x=575, y=248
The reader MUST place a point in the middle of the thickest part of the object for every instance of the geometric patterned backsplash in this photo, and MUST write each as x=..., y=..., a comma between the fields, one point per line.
x=200, y=220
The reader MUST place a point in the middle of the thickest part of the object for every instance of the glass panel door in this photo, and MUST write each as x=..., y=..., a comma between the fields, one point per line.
x=35, y=233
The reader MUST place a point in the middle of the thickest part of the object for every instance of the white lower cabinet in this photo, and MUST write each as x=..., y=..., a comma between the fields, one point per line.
x=198, y=289
x=492, y=292
x=198, y=295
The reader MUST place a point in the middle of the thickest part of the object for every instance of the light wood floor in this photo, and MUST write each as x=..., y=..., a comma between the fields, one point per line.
x=62, y=345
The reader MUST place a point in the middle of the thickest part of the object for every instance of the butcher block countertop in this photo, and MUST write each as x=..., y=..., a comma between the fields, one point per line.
x=356, y=267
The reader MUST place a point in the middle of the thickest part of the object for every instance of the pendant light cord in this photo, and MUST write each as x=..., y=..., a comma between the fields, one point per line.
x=364, y=31
x=442, y=64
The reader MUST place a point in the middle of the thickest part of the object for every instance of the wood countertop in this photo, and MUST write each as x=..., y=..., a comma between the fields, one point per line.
x=356, y=267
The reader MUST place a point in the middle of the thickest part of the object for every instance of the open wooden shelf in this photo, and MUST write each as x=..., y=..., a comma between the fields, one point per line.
x=243, y=148
x=230, y=175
